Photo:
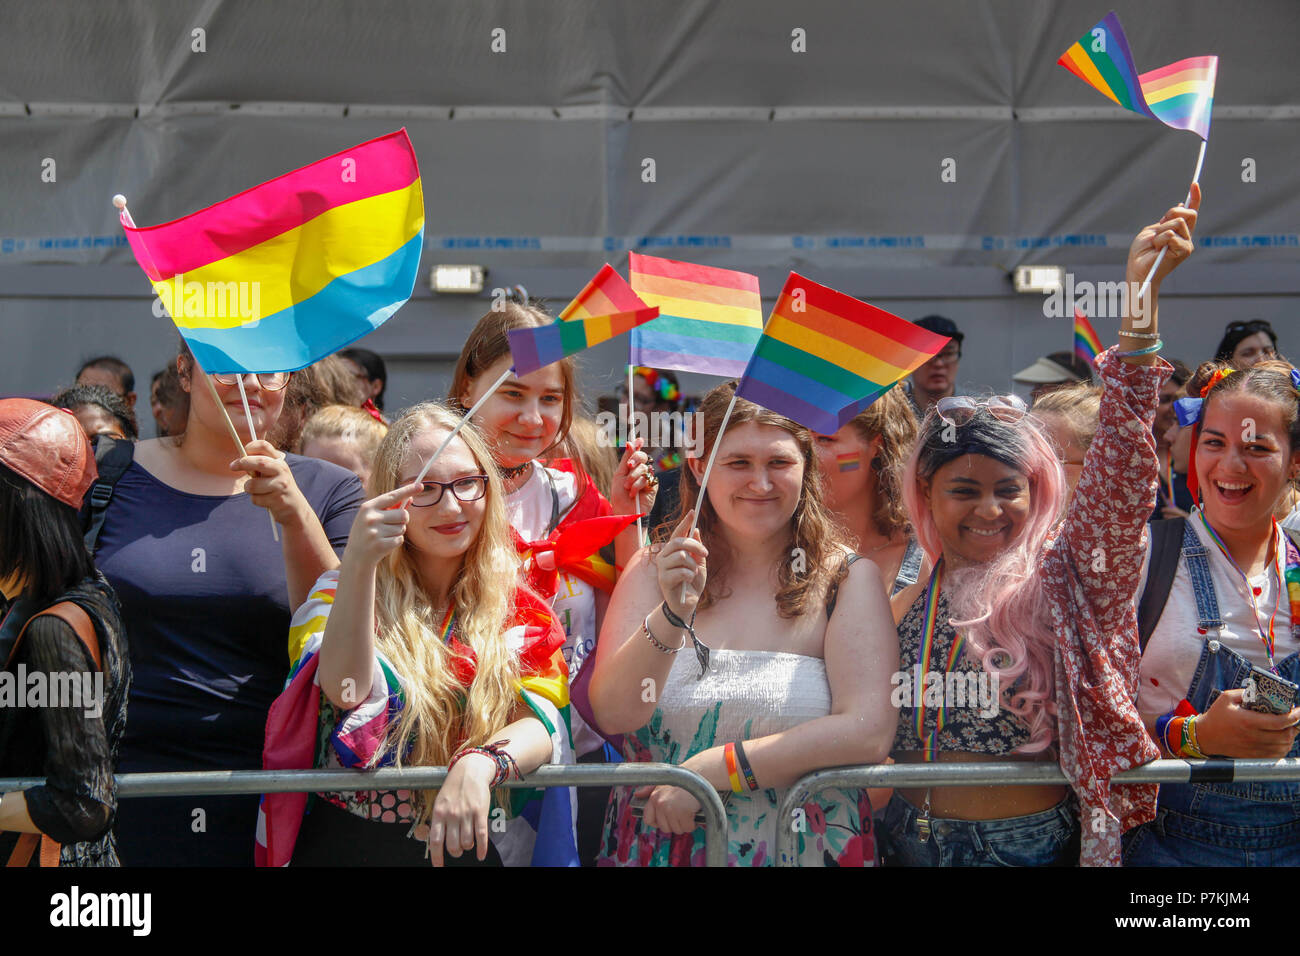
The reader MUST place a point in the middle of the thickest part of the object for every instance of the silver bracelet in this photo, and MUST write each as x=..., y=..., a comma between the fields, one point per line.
x=1151, y=336
x=658, y=644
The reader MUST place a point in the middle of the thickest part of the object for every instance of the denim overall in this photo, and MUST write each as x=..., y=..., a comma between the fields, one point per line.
x=1214, y=822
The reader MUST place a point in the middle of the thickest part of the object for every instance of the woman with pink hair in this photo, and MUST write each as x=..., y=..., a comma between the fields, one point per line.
x=1022, y=643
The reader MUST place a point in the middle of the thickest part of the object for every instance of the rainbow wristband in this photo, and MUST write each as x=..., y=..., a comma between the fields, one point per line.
x=1191, y=746
x=750, y=780
x=1162, y=730
x=733, y=772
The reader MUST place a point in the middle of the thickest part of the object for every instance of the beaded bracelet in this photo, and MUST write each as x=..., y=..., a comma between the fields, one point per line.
x=1191, y=746
x=1150, y=336
x=506, y=766
x=1150, y=349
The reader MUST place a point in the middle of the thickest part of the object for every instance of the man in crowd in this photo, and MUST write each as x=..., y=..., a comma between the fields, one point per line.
x=937, y=378
x=111, y=372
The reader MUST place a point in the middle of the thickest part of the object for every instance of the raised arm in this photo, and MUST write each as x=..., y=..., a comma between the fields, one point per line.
x=1102, y=536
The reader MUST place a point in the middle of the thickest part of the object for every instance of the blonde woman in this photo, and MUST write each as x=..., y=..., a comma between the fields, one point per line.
x=420, y=650
x=346, y=435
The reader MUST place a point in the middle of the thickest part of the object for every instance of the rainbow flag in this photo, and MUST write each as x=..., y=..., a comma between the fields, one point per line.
x=710, y=319
x=285, y=273
x=538, y=347
x=1086, y=343
x=606, y=294
x=825, y=356
x=850, y=461
x=1180, y=95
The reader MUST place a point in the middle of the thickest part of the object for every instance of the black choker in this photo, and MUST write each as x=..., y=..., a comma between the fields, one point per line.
x=510, y=474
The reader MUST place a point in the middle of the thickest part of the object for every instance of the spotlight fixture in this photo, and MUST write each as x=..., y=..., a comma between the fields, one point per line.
x=1040, y=280
x=457, y=280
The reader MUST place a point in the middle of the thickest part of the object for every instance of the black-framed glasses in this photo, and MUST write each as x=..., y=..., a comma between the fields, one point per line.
x=959, y=409
x=469, y=488
x=269, y=381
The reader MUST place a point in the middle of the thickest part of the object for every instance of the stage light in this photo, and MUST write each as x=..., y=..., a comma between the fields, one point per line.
x=1040, y=280
x=457, y=280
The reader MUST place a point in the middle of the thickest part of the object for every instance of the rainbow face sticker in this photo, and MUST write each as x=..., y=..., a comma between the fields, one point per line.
x=849, y=462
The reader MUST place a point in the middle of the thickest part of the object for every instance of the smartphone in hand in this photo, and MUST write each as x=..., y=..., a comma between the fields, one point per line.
x=1267, y=693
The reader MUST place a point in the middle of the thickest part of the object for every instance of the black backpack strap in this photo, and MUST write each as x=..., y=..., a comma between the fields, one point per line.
x=113, y=457
x=1166, y=551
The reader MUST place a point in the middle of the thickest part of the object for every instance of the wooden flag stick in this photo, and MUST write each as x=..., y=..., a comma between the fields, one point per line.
x=461, y=424
x=1146, y=283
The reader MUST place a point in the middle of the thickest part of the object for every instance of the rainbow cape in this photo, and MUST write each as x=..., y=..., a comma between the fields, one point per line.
x=535, y=348
x=1086, y=343
x=285, y=273
x=825, y=356
x=709, y=319
x=1180, y=95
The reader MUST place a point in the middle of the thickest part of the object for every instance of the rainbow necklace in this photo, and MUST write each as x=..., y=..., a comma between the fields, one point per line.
x=448, y=625
x=1288, y=578
x=930, y=742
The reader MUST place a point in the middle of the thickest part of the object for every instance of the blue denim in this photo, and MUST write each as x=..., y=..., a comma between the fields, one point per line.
x=1220, y=824
x=1048, y=838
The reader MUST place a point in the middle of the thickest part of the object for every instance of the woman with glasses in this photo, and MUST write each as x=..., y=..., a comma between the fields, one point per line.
x=206, y=594
x=1245, y=343
x=422, y=650
x=1021, y=643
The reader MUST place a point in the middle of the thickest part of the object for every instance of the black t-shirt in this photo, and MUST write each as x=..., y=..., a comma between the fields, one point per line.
x=206, y=610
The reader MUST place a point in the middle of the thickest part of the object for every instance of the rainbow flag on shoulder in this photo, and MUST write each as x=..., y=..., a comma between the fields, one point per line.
x=283, y=274
x=825, y=356
x=1180, y=95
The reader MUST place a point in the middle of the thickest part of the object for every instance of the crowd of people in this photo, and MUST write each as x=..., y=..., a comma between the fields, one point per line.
x=1106, y=577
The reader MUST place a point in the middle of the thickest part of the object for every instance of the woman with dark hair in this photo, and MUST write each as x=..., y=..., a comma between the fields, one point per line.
x=207, y=595
x=789, y=671
x=861, y=465
x=1226, y=618
x=369, y=371
x=1022, y=643
x=62, y=623
x=100, y=411
x=1245, y=343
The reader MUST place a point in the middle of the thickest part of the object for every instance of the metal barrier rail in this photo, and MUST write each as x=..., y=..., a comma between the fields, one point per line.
x=210, y=782
x=1010, y=773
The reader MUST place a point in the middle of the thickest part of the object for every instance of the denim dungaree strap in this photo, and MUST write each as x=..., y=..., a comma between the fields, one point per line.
x=910, y=570
x=1220, y=824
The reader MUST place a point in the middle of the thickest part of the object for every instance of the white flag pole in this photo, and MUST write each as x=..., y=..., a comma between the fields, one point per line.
x=631, y=433
x=461, y=424
x=1146, y=283
x=708, y=470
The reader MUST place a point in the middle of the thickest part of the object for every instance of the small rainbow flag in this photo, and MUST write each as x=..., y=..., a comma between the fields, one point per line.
x=850, y=461
x=825, y=356
x=285, y=273
x=605, y=294
x=1180, y=95
x=710, y=319
x=538, y=347
x=1086, y=343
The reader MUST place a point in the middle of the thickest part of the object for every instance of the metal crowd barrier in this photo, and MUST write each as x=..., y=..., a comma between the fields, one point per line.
x=210, y=782
x=1011, y=773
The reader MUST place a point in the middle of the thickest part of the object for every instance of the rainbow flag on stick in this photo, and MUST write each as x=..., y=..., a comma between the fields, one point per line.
x=1180, y=95
x=710, y=319
x=825, y=356
x=285, y=273
x=606, y=294
x=1086, y=343
x=538, y=347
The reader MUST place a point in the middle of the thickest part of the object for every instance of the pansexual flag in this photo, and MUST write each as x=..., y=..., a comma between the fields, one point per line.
x=535, y=348
x=606, y=294
x=285, y=273
x=1086, y=343
x=825, y=356
x=1180, y=95
x=710, y=319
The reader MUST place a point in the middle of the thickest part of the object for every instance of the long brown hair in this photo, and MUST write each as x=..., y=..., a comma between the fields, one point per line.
x=812, y=529
x=489, y=341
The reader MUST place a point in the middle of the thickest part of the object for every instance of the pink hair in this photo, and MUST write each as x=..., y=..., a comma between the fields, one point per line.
x=1000, y=604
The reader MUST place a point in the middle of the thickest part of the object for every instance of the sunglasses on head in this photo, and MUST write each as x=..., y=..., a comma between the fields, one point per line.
x=1255, y=325
x=958, y=410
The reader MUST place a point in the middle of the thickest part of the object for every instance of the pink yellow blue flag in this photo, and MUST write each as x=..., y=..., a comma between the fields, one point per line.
x=285, y=273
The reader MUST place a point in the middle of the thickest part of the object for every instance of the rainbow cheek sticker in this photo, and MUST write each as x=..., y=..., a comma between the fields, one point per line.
x=850, y=462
